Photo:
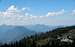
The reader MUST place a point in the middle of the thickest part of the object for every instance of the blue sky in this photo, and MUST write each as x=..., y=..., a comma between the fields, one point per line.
x=40, y=6
x=53, y=12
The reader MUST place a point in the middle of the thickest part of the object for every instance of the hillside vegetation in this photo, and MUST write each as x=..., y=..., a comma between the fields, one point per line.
x=60, y=37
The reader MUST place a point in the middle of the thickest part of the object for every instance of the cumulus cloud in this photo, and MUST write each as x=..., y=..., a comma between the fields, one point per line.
x=15, y=16
x=61, y=12
x=24, y=9
x=73, y=12
x=14, y=11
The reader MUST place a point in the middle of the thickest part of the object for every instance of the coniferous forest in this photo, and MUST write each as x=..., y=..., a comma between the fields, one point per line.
x=60, y=37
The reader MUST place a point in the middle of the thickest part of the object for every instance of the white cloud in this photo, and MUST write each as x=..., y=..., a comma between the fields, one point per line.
x=15, y=16
x=12, y=7
x=14, y=11
x=24, y=9
x=73, y=12
x=61, y=12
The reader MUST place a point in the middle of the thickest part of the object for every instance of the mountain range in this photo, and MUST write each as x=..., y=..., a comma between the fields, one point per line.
x=41, y=27
x=60, y=37
x=9, y=33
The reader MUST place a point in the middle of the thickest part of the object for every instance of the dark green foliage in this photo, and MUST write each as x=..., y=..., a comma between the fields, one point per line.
x=48, y=39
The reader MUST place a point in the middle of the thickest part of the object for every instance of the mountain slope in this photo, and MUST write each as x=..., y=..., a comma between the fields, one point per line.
x=52, y=37
x=10, y=33
x=48, y=39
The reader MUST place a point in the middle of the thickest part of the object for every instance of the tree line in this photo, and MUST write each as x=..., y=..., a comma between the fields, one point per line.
x=42, y=40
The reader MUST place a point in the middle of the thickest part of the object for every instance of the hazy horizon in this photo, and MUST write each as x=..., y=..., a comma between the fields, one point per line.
x=31, y=12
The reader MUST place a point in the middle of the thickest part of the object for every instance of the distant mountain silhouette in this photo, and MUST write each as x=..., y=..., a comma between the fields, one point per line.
x=10, y=33
x=41, y=27
x=59, y=37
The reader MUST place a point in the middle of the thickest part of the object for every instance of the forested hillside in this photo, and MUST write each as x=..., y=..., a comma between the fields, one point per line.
x=60, y=37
